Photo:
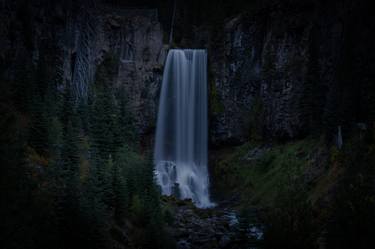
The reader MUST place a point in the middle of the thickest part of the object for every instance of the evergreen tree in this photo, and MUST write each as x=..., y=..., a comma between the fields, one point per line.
x=38, y=138
x=104, y=112
x=14, y=182
x=83, y=111
x=121, y=195
x=290, y=222
x=69, y=201
x=54, y=132
x=23, y=88
x=353, y=209
x=68, y=110
x=68, y=179
x=105, y=178
x=94, y=210
x=126, y=120
x=39, y=107
x=143, y=198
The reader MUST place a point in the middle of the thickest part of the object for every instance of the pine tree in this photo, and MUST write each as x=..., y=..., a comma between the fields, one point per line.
x=68, y=110
x=121, y=195
x=94, y=210
x=69, y=173
x=38, y=138
x=54, y=131
x=104, y=112
x=41, y=89
x=69, y=201
x=106, y=178
x=104, y=125
x=126, y=120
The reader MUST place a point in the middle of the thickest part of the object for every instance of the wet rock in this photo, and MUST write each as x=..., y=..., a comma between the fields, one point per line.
x=205, y=228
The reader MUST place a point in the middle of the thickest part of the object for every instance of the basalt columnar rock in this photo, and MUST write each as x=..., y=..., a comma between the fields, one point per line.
x=72, y=39
x=262, y=77
x=280, y=71
x=287, y=70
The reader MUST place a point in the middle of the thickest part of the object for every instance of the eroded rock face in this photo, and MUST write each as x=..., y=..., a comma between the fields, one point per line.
x=262, y=65
x=135, y=39
x=287, y=69
x=280, y=72
x=141, y=69
x=72, y=39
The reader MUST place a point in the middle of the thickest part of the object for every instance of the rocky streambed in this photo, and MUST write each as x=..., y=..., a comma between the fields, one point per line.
x=218, y=227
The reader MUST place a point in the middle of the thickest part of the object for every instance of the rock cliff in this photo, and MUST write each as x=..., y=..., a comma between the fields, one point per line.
x=279, y=71
x=70, y=40
x=290, y=70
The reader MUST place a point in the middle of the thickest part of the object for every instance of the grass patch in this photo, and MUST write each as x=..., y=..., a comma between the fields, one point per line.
x=258, y=171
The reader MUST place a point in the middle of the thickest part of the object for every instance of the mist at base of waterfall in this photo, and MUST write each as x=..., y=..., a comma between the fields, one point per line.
x=184, y=181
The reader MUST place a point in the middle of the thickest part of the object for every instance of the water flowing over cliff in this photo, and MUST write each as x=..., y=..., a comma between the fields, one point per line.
x=264, y=137
x=181, y=136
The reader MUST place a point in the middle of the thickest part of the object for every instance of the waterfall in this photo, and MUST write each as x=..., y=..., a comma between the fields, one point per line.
x=181, y=137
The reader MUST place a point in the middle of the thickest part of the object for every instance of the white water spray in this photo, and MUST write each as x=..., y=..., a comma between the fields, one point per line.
x=181, y=135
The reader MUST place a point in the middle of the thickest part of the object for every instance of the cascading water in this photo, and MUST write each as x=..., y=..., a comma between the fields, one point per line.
x=181, y=135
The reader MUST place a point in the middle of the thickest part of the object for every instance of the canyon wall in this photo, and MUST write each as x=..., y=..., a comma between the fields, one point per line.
x=68, y=41
x=291, y=70
x=280, y=71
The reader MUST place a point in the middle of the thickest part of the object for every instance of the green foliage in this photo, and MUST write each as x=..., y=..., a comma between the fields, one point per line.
x=272, y=177
x=55, y=137
x=68, y=196
x=81, y=177
x=126, y=121
x=94, y=208
x=103, y=125
x=39, y=124
x=353, y=209
x=256, y=170
x=104, y=114
x=121, y=194
x=13, y=178
x=144, y=207
x=290, y=222
x=23, y=91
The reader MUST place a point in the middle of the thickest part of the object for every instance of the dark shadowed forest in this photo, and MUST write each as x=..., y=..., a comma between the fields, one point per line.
x=187, y=124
